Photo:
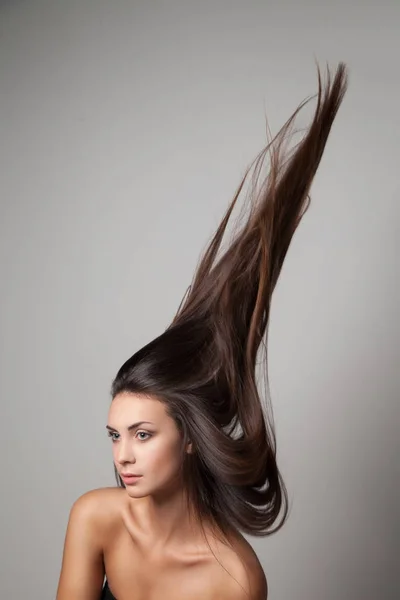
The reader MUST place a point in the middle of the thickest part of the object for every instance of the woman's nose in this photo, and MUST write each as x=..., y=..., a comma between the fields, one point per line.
x=125, y=452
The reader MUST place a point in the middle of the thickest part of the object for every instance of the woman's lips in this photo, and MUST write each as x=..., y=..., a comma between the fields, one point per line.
x=130, y=478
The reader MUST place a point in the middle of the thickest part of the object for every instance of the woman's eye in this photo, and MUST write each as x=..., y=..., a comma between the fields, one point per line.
x=115, y=436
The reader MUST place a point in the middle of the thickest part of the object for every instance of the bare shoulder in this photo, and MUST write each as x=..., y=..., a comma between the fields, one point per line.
x=251, y=576
x=99, y=507
x=99, y=498
x=246, y=579
x=82, y=570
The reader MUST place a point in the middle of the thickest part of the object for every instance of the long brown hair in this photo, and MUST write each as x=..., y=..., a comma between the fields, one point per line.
x=203, y=366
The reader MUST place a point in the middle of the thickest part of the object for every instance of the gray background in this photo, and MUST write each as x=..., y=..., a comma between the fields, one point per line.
x=125, y=129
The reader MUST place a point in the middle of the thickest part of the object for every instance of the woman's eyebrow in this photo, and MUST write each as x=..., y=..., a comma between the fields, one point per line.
x=133, y=426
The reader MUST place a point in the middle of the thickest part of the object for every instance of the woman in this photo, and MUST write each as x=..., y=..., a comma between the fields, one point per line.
x=194, y=451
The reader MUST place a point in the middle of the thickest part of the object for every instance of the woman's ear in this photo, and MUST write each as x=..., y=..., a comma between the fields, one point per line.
x=189, y=447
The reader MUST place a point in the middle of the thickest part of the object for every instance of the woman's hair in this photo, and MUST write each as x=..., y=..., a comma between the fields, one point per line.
x=203, y=366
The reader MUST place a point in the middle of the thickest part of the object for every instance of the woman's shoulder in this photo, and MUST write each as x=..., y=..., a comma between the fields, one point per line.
x=100, y=499
x=242, y=562
x=100, y=507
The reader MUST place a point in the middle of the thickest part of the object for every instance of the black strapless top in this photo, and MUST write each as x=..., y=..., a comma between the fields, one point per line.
x=106, y=593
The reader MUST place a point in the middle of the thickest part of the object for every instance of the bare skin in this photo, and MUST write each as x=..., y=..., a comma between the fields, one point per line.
x=141, y=536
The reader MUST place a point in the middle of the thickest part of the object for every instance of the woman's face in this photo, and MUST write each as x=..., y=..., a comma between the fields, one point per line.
x=150, y=449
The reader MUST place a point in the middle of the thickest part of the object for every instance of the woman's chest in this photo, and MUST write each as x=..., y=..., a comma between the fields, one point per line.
x=135, y=575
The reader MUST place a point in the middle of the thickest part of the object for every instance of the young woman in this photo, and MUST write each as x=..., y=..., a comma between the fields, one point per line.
x=194, y=450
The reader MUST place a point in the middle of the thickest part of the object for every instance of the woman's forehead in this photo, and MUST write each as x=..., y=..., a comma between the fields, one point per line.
x=135, y=407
